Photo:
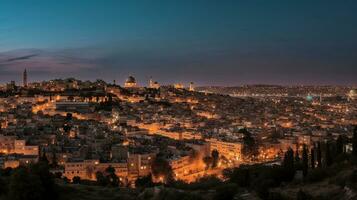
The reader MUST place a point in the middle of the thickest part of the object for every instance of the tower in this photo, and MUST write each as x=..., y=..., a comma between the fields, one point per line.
x=191, y=87
x=150, y=82
x=24, y=78
x=153, y=84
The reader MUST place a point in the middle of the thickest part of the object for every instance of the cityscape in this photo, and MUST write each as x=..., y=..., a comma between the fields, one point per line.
x=75, y=126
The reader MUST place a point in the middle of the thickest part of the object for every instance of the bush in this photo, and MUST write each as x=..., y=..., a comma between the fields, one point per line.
x=317, y=175
x=353, y=177
x=276, y=196
x=3, y=186
x=203, y=183
x=76, y=180
x=33, y=182
x=301, y=195
x=172, y=194
x=226, y=191
x=144, y=182
x=262, y=188
x=25, y=186
x=240, y=176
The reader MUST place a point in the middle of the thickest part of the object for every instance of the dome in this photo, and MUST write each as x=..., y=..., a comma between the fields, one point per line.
x=309, y=97
x=353, y=94
x=131, y=79
x=130, y=82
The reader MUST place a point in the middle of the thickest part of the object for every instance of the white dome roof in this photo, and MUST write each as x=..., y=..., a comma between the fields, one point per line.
x=352, y=94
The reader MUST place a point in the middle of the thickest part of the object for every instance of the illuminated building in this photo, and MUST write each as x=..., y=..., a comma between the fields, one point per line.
x=130, y=82
x=19, y=160
x=135, y=166
x=230, y=150
x=84, y=169
x=11, y=85
x=179, y=86
x=352, y=95
x=9, y=144
x=139, y=164
x=153, y=84
x=22, y=148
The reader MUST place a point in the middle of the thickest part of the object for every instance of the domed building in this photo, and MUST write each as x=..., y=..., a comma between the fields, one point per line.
x=130, y=82
x=153, y=84
x=309, y=97
x=352, y=95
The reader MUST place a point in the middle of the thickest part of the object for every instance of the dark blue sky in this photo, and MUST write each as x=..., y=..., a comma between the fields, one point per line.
x=209, y=42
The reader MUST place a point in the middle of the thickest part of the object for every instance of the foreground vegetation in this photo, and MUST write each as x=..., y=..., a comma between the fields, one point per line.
x=324, y=172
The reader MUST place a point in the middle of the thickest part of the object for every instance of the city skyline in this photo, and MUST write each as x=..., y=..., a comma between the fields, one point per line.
x=178, y=100
x=210, y=43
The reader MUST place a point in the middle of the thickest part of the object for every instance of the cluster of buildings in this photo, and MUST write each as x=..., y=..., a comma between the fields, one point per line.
x=84, y=127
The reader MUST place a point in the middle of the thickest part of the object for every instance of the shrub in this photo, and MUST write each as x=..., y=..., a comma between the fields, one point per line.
x=301, y=195
x=226, y=191
x=316, y=175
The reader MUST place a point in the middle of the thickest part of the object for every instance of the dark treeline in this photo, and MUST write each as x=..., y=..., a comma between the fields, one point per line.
x=300, y=167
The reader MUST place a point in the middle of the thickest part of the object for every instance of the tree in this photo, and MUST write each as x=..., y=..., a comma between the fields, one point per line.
x=67, y=127
x=112, y=177
x=226, y=192
x=354, y=141
x=43, y=158
x=58, y=175
x=339, y=145
x=305, y=160
x=250, y=148
x=215, y=158
x=32, y=183
x=42, y=171
x=208, y=161
x=328, y=157
x=69, y=117
x=25, y=186
x=101, y=179
x=145, y=181
x=76, y=180
x=54, y=158
x=162, y=170
x=288, y=164
x=318, y=155
x=297, y=156
x=297, y=160
x=240, y=176
x=312, y=154
x=4, y=186
x=301, y=195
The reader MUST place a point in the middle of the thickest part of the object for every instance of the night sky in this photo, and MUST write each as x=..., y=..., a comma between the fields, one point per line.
x=209, y=42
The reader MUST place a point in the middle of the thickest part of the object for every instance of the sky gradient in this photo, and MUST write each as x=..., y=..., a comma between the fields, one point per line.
x=205, y=41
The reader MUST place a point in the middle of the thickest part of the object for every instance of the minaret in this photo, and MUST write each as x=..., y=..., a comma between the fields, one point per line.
x=191, y=87
x=24, y=78
x=151, y=83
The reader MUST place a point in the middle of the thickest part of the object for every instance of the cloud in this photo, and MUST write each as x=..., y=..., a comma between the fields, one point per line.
x=21, y=58
x=45, y=60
